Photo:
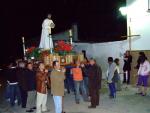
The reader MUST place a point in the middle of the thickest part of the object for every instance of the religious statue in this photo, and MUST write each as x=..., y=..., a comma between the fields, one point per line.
x=46, y=38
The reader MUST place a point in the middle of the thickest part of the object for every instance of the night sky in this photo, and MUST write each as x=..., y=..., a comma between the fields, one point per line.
x=97, y=20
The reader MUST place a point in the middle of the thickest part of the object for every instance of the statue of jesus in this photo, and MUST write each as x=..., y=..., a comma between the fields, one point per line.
x=46, y=39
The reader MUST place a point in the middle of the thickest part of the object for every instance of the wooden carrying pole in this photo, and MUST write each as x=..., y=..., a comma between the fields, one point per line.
x=24, y=50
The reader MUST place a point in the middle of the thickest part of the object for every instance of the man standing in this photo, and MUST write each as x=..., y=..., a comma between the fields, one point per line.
x=57, y=86
x=127, y=67
x=46, y=39
x=31, y=80
x=22, y=80
x=95, y=75
x=12, y=86
x=110, y=77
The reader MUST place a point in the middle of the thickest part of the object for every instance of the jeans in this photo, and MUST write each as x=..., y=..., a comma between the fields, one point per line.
x=58, y=104
x=112, y=90
x=86, y=85
x=69, y=84
x=80, y=85
x=14, y=94
x=69, y=79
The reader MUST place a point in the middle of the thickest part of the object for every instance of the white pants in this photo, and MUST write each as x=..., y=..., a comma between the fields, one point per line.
x=41, y=102
x=58, y=104
x=31, y=99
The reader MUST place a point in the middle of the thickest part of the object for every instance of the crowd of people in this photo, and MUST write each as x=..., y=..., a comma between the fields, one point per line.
x=28, y=82
x=114, y=73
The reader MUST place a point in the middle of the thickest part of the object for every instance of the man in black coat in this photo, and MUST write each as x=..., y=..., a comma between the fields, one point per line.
x=95, y=75
x=22, y=80
x=31, y=85
x=127, y=67
x=12, y=84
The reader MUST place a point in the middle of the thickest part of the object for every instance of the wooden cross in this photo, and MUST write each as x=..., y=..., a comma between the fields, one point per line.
x=130, y=38
x=148, y=6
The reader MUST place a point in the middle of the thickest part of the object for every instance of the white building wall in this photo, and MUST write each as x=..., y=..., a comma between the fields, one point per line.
x=101, y=51
x=139, y=21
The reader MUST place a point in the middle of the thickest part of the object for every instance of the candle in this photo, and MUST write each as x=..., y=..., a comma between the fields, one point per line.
x=24, y=49
x=71, y=40
x=70, y=32
x=23, y=39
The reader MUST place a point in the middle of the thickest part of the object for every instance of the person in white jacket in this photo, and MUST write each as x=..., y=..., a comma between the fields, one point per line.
x=110, y=77
x=143, y=74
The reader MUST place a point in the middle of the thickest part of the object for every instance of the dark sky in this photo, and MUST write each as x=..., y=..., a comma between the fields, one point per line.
x=97, y=20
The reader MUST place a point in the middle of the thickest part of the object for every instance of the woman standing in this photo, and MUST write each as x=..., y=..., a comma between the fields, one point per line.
x=143, y=74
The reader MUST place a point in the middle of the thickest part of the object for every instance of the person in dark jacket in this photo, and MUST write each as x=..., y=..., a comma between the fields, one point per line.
x=141, y=54
x=85, y=67
x=12, y=85
x=127, y=67
x=95, y=75
x=31, y=82
x=22, y=80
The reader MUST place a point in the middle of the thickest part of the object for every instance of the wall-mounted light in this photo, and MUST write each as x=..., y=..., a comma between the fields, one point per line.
x=123, y=10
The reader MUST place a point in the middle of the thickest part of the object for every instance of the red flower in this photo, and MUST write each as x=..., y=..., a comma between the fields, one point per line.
x=63, y=46
x=30, y=50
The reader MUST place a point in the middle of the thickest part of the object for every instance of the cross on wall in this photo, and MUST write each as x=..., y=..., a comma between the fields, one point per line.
x=130, y=36
x=148, y=6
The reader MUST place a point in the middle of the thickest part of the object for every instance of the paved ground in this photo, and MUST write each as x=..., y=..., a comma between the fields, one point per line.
x=126, y=102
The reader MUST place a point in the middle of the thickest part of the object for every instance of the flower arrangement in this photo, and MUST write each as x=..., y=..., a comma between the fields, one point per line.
x=33, y=52
x=30, y=50
x=63, y=47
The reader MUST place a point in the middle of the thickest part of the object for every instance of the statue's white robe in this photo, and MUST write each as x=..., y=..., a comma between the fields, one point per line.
x=46, y=39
